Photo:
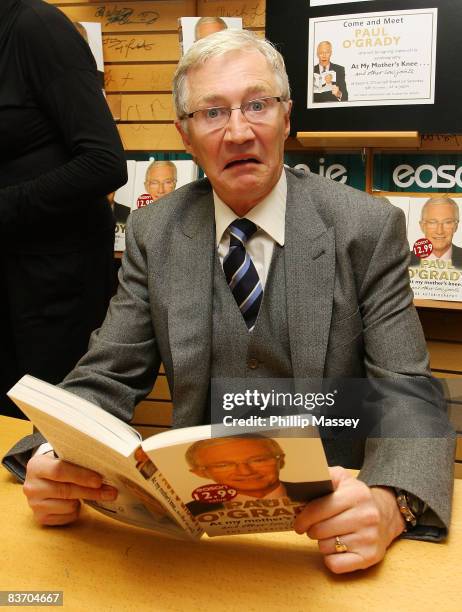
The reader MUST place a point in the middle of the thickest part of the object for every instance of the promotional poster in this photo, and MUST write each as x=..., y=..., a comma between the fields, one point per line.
x=372, y=59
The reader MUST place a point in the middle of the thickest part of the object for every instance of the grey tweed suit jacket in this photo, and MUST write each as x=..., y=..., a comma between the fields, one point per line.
x=349, y=313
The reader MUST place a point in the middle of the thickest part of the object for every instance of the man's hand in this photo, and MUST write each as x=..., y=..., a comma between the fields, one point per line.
x=365, y=519
x=54, y=488
x=336, y=91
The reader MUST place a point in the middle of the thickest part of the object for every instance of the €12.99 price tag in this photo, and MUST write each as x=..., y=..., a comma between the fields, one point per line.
x=144, y=200
x=214, y=493
x=422, y=247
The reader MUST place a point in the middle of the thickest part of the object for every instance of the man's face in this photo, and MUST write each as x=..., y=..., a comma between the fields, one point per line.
x=159, y=181
x=242, y=160
x=438, y=225
x=205, y=29
x=249, y=466
x=324, y=52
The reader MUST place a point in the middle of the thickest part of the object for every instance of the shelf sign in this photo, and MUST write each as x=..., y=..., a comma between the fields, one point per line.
x=343, y=168
x=438, y=173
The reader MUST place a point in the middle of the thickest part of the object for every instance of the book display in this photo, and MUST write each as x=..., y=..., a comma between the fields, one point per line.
x=435, y=243
x=147, y=182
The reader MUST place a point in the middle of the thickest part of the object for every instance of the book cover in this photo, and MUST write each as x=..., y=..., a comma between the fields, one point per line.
x=122, y=205
x=435, y=242
x=191, y=29
x=245, y=484
x=154, y=179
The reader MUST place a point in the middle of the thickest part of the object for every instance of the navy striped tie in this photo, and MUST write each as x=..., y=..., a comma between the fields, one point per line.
x=240, y=272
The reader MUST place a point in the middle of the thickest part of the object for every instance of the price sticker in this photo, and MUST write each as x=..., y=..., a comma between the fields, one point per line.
x=422, y=248
x=214, y=494
x=144, y=200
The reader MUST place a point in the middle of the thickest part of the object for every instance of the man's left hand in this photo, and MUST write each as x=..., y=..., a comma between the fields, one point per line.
x=365, y=519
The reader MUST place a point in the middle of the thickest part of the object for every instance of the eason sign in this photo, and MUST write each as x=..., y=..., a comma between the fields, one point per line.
x=414, y=173
x=343, y=168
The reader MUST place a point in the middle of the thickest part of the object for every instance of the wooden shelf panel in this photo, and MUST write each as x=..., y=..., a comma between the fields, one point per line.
x=438, y=304
x=445, y=356
x=359, y=139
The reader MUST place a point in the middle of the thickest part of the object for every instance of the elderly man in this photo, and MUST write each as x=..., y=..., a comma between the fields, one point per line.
x=334, y=76
x=439, y=220
x=259, y=271
x=160, y=178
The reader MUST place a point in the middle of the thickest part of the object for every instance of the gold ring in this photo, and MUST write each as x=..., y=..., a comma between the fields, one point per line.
x=340, y=547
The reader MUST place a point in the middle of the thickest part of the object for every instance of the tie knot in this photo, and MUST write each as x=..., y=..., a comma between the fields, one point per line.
x=242, y=229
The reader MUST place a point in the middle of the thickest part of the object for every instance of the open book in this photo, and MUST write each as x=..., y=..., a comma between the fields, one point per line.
x=181, y=482
x=321, y=83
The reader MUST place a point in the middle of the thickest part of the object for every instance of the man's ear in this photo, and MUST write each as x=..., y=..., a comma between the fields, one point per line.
x=184, y=136
x=287, y=118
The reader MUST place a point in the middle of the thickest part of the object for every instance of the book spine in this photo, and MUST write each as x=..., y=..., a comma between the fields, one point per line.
x=166, y=493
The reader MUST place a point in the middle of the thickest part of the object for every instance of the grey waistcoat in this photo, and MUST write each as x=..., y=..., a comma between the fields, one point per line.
x=264, y=352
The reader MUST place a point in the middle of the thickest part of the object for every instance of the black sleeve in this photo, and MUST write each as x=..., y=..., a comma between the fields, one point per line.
x=60, y=74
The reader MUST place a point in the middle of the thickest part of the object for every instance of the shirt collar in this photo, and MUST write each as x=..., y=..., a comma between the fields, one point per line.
x=269, y=214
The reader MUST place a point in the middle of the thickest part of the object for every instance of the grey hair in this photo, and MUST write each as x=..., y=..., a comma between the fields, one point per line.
x=218, y=44
x=441, y=199
x=205, y=20
x=161, y=162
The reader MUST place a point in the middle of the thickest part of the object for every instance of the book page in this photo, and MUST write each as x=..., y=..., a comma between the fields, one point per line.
x=121, y=464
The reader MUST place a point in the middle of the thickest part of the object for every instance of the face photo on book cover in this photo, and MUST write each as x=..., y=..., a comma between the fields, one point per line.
x=248, y=465
x=436, y=218
x=196, y=28
x=158, y=178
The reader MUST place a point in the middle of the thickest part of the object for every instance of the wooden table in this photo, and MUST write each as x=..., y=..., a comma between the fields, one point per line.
x=103, y=565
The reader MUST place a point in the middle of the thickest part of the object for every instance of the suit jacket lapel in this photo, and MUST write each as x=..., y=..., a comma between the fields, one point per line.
x=190, y=309
x=310, y=273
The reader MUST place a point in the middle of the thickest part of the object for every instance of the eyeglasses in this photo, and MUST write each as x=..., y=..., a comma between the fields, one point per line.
x=260, y=110
x=166, y=183
x=231, y=466
x=446, y=223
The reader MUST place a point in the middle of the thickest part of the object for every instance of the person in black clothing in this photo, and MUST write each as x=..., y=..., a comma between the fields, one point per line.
x=60, y=154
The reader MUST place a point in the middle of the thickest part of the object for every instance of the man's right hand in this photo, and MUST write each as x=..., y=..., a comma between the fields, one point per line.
x=54, y=489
